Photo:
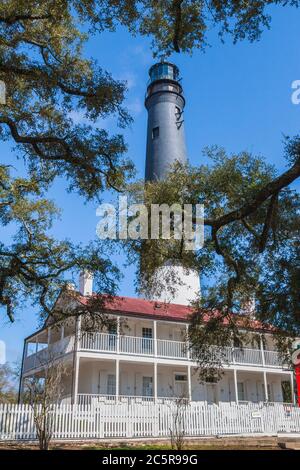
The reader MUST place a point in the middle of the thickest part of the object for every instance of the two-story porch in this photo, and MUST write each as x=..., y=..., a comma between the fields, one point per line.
x=150, y=358
x=101, y=380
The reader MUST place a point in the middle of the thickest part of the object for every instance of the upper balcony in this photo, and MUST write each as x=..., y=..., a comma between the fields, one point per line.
x=135, y=346
x=43, y=354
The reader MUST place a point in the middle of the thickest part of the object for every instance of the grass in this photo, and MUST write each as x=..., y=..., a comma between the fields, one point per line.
x=187, y=447
x=159, y=446
x=131, y=447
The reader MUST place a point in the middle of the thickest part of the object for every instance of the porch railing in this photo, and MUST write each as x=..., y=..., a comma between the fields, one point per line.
x=174, y=349
x=247, y=356
x=162, y=348
x=272, y=358
x=53, y=351
x=94, y=399
x=136, y=345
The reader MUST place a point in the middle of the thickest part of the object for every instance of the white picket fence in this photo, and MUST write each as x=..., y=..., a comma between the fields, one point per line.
x=128, y=420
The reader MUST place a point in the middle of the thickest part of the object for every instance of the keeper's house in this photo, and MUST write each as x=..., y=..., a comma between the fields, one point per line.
x=146, y=358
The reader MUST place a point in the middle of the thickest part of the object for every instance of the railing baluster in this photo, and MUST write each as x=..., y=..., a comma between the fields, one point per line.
x=145, y=347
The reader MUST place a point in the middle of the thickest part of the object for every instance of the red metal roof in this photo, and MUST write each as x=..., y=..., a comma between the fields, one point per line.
x=143, y=307
x=157, y=310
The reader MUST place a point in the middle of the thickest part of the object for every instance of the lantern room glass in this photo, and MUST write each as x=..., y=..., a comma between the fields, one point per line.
x=162, y=71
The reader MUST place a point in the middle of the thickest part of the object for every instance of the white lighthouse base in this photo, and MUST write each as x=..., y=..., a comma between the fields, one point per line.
x=176, y=285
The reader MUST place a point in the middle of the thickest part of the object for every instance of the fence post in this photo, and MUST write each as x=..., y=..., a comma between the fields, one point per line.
x=129, y=421
x=155, y=413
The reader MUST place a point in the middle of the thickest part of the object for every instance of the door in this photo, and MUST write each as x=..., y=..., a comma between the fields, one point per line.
x=147, y=340
x=241, y=391
x=111, y=385
x=180, y=385
x=211, y=393
x=112, y=338
x=270, y=392
x=147, y=387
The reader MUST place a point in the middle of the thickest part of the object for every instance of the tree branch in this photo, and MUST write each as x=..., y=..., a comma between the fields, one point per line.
x=41, y=74
x=16, y=18
x=272, y=188
x=66, y=156
x=250, y=229
x=268, y=222
x=177, y=24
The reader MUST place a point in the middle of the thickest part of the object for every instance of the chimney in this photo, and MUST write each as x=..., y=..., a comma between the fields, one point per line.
x=248, y=306
x=86, y=283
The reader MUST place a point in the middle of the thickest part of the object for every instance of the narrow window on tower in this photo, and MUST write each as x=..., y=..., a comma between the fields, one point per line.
x=155, y=132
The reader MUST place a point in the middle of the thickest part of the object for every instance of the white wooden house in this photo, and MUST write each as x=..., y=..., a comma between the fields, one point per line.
x=146, y=358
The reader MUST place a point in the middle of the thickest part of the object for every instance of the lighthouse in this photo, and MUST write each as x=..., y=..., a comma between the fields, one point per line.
x=165, y=104
x=165, y=133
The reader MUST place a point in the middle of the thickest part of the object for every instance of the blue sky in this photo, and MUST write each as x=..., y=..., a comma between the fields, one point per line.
x=237, y=96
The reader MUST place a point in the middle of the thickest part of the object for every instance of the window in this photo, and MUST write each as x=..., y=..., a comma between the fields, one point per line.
x=211, y=380
x=147, y=340
x=147, y=387
x=112, y=329
x=180, y=378
x=160, y=71
x=241, y=391
x=111, y=384
x=155, y=132
x=147, y=332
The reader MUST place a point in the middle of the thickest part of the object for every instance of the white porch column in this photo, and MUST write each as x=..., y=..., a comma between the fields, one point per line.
x=26, y=349
x=236, y=393
x=292, y=388
x=76, y=379
x=76, y=362
x=117, y=379
x=155, y=336
x=78, y=332
x=36, y=350
x=21, y=385
x=187, y=341
x=266, y=387
x=118, y=334
x=189, y=383
x=155, y=382
x=262, y=350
